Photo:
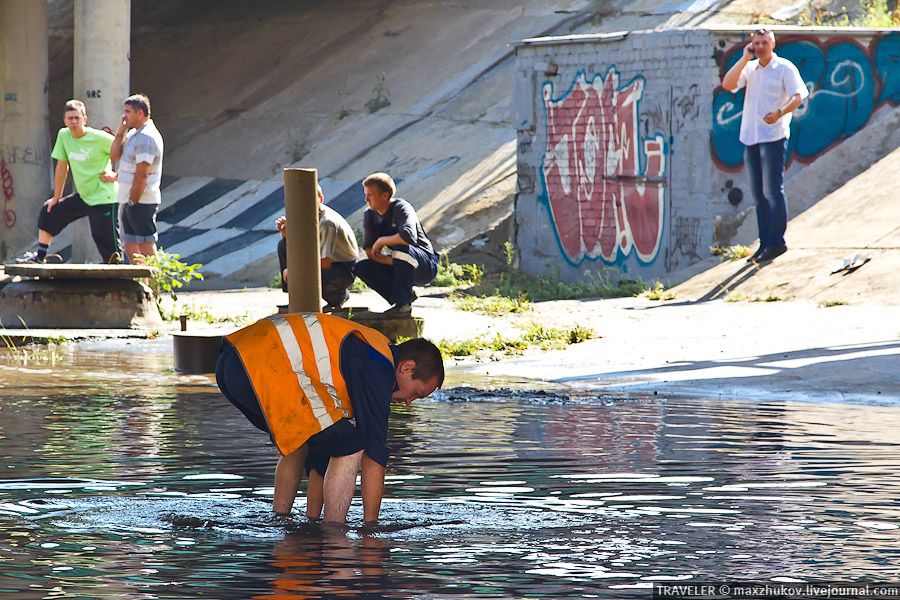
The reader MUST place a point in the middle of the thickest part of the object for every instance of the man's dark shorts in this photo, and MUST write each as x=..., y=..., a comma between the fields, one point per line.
x=102, y=218
x=340, y=439
x=139, y=223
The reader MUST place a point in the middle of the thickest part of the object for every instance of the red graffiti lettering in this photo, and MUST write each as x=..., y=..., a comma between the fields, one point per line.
x=601, y=201
x=9, y=215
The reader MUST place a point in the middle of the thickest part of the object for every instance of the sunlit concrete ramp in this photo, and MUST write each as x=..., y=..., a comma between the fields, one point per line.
x=300, y=86
x=860, y=220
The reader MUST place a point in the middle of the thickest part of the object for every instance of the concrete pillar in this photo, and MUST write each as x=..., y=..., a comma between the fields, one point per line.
x=25, y=169
x=301, y=208
x=101, y=79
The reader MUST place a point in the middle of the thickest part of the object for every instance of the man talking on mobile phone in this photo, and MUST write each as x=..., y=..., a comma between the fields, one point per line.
x=774, y=89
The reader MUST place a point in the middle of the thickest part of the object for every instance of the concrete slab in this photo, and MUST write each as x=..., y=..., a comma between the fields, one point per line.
x=69, y=271
x=78, y=303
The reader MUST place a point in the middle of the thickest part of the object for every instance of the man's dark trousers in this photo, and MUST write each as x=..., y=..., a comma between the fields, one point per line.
x=765, y=168
x=410, y=266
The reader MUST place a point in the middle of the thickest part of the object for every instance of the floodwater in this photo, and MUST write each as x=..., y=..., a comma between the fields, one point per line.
x=122, y=479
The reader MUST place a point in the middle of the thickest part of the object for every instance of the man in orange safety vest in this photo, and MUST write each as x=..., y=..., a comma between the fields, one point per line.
x=321, y=387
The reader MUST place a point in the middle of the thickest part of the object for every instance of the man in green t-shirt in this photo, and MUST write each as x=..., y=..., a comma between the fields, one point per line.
x=86, y=151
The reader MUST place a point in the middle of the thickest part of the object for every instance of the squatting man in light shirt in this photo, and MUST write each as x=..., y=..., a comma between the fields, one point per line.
x=774, y=88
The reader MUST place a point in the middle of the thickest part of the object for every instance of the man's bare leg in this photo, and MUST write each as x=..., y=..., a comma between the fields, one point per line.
x=132, y=250
x=339, y=485
x=371, y=488
x=44, y=237
x=315, y=496
x=147, y=248
x=287, y=479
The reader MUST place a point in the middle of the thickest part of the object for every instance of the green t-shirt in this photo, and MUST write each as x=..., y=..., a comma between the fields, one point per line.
x=88, y=156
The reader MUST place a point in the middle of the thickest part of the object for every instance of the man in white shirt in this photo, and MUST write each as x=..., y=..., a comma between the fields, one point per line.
x=774, y=88
x=139, y=145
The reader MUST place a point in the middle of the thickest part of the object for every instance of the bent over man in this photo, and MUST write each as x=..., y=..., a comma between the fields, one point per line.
x=391, y=224
x=86, y=151
x=774, y=88
x=321, y=387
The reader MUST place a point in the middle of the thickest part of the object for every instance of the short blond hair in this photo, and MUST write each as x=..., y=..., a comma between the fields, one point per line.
x=382, y=181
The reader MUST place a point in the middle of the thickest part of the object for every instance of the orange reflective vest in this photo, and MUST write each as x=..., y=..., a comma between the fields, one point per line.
x=293, y=363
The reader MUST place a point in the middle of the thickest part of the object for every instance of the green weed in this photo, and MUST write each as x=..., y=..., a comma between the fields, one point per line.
x=171, y=273
x=731, y=252
x=34, y=352
x=736, y=296
x=455, y=275
x=535, y=335
x=382, y=95
x=490, y=304
x=276, y=282
x=659, y=292
x=515, y=284
x=830, y=303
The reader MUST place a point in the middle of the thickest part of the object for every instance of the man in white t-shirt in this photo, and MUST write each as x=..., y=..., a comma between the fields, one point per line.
x=774, y=88
x=139, y=146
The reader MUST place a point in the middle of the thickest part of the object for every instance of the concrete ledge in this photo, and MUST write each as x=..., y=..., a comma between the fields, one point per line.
x=45, y=271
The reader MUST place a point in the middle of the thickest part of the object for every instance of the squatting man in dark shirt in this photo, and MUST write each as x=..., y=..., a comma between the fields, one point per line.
x=399, y=254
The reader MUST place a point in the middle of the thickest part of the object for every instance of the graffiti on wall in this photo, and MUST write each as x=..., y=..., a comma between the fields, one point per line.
x=848, y=83
x=603, y=182
x=9, y=215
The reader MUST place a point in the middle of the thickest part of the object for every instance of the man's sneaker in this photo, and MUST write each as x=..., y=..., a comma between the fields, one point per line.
x=28, y=258
x=399, y=310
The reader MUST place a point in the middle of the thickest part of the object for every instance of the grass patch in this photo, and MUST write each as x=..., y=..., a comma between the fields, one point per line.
x=535, y=335
x=490, y=304
x=515, y=284
x=739, y=296
x=730, y=252
x=830, y=303
x=46, y=354
x=736, y=296
x=203, y=314
x=455, y=275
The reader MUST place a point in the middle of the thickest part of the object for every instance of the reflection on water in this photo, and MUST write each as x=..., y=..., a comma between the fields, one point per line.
x=121, y=479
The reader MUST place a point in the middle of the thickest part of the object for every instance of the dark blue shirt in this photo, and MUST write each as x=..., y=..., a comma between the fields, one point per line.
x=370, y=379
x=400, y=217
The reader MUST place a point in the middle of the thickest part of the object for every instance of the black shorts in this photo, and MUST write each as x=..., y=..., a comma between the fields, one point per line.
x=340, y=439
x=102, y=217
x=139, y=223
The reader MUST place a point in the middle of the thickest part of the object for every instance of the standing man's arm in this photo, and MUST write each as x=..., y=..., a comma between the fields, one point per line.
x=371, y=485
x=732, y=77
x=140, y=180
x=59, y=182
x=792, y=103
x=118, y=143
